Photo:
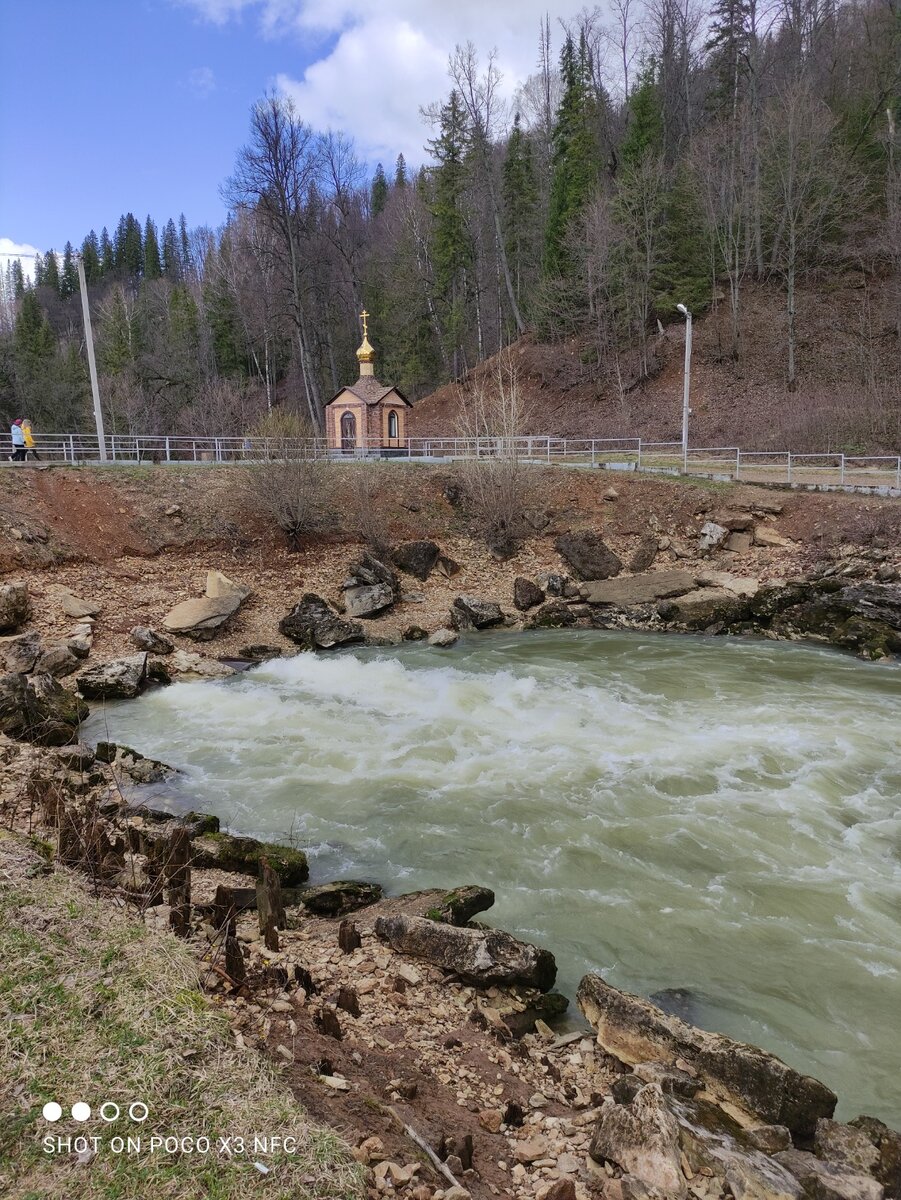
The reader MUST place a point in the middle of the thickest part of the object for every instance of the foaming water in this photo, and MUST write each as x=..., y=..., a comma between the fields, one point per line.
x=721, y=816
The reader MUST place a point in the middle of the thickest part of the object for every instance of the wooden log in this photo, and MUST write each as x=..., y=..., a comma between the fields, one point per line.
x=177, y=870
x=270, y=909
x=234, y=959
x=349, y=937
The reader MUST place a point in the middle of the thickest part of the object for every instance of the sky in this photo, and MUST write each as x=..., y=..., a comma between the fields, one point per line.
x=114, y=106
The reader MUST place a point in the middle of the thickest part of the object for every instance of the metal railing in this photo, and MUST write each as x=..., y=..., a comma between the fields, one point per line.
x=630, y=453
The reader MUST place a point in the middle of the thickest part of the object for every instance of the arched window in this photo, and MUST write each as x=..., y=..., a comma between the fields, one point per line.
x=392, y=424
x=348, y=431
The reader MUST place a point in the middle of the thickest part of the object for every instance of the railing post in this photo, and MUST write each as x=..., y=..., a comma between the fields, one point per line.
x=168, y=455
x=218, y=451
x=72, y=448
x=789, y=472
x=592, y=451
x=898, y=474
x=737, y=462
x=638, y=465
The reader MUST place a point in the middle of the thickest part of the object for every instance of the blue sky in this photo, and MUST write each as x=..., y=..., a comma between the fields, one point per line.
x=111, y=106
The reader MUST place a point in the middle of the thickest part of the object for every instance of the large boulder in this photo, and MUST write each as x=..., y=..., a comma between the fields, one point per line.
x=417, y=558
x=703, y=608
x=526, y=594
x=151, y=641
x=588, y=556
x=15, y=606
x=888, y=1144
x=58, y=661
x=314, y=626
x=201, y=617
x=121, y=679
x=846, y=1146
x=643, y=1140
x=484, y=957
x=641, y=589
x=553, y=615
x=371, y=587
x=468, y=612
x=712, y=537
x=38, y=709
x=865, y=617
x=749, y=1078
x=19, y=653
x=77, y=606
x=645, y=553
x=227, y=852
x=826, y=1181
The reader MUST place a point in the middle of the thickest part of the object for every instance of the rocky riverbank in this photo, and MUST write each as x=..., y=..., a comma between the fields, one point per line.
x=427, y=1039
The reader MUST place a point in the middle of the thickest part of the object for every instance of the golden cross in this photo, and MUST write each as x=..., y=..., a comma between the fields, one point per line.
x=365, y=318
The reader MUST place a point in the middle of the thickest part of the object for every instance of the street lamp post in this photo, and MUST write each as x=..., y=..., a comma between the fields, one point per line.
x=686, y=383
x=92, y=365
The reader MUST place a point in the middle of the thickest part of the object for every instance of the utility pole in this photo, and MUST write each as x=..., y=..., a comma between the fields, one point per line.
x=92, y=365
x=686, y=383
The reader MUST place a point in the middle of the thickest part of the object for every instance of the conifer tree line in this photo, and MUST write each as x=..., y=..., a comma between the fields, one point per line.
x=663, y=152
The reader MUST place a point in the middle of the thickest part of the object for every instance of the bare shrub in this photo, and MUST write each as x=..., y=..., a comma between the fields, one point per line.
x=365, y=507
x=290, y=479
x=498, y=482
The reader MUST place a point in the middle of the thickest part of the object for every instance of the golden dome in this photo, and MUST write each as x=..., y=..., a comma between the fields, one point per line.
x=366, y=353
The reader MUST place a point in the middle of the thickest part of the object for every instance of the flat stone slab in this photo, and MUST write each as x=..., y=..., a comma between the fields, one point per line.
x=639, y=589
x=750, y=1079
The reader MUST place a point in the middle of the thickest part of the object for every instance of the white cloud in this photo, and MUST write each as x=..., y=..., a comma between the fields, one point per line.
x=202, y=81
x=387, y=59
x=10, y=250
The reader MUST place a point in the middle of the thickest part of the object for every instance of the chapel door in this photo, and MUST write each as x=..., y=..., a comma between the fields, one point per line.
x=348, y=431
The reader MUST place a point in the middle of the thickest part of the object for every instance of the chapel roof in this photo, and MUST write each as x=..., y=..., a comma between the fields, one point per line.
x=368, y=389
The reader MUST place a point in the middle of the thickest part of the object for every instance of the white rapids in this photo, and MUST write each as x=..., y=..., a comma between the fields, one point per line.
x=706, y=814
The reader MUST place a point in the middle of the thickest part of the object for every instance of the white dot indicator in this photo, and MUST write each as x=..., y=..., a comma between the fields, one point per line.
x=52, y=1111
x=81, y=1111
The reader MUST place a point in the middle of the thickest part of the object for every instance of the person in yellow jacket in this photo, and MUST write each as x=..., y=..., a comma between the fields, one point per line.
x=29, y=438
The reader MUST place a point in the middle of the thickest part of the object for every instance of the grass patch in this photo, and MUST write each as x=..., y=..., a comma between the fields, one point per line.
x=95, y=1007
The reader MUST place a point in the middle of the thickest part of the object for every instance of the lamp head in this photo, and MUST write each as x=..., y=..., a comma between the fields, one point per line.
x=683, y=310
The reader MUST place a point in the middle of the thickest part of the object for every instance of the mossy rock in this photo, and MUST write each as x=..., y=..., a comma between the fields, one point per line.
x=226, y=852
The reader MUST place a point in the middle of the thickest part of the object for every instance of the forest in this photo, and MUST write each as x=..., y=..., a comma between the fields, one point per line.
x=662, y=152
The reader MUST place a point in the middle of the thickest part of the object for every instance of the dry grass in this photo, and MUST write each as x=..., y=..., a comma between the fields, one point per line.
x=96, y=1007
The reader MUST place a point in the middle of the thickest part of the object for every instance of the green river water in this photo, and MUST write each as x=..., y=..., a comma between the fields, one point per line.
x=721, y=816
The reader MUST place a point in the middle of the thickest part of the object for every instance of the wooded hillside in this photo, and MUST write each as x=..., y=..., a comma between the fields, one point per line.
x=741, y=158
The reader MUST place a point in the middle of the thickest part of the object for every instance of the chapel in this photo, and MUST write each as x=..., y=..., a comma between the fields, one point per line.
x=367, y=416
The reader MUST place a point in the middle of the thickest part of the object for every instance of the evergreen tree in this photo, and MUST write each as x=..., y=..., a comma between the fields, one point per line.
x=152, y=266
x=171, y=259
x=644, y=134
x=17, y=279
x=68, y=280
x=129, y=252
x=520, y=196
x=576, y=153
x=400, y=172
x=90, y=254
x=51, y=272
x=35, y=342
x=379, y=191
x=38, y=270
x=107, y=253
x=186, y=259
x=727, y=48
x=682, y=275
x=451, y=248
x=117, y=336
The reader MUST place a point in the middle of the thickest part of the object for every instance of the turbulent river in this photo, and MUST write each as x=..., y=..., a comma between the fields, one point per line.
x=717, y=816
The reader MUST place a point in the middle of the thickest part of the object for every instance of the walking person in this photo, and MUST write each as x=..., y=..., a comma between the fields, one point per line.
x=18, y=439
x=29, y=438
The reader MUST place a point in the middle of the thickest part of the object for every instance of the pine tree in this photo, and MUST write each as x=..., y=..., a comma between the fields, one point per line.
x=17, y=278
x=451, y=248
x=68, y=280
x=576, y=153
x=129, y=246
x=728, y=50
x=107, y=253
x=38, y=271
x=90, y=254
x=400, y=172
x=117, y=336
x=34, y=340
x=184, y=247
x=51, y=272
x=682, y=275
x=152, y=266
x=520, y=196
x=644, y=134
x=379, y=191
x=171, y=263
